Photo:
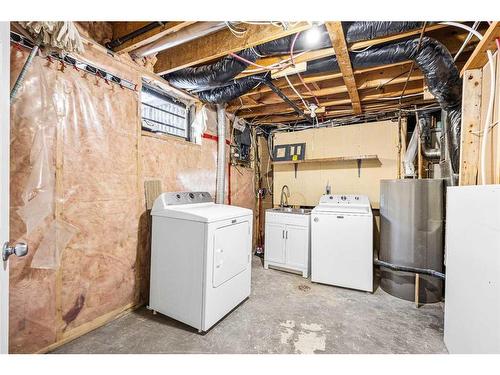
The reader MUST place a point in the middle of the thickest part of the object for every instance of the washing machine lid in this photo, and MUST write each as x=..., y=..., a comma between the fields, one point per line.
x=343, y=203
x=195, y=206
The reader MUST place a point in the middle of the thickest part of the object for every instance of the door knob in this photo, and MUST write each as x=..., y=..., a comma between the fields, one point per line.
x=19, y=249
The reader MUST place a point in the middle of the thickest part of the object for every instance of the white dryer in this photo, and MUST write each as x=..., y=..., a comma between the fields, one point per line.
x=200, y=258
x=342, y=242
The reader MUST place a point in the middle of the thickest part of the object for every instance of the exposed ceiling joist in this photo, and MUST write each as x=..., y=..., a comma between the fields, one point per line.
x=371, y=82
x=392, y=90
x=377, y=70
x=479, y=57
x=344, y=61
x=218, y=45
x=120, y=30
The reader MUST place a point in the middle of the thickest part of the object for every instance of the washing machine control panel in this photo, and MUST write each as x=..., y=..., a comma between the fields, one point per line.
x=343, y=199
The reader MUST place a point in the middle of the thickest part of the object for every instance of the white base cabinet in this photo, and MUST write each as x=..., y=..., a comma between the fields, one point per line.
x=287, y=242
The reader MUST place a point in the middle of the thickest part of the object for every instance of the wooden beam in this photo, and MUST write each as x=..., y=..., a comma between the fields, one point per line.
x=479, y=57
x=339, y=45
x=219, y=44
x=147, y=37
x=471, y=126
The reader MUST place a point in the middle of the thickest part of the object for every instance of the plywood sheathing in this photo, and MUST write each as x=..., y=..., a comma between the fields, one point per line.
x=105, y=161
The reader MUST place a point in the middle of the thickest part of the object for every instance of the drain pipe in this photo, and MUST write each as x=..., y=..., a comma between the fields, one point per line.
x=125, y=38
x=221, y=153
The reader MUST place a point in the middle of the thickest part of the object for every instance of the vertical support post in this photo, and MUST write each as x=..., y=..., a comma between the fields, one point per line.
x=471, y=125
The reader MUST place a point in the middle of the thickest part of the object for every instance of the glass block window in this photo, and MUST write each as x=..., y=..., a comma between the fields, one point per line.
x=162, y=113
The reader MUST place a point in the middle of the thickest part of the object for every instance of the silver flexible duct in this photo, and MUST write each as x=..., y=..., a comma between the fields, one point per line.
x=221, y=153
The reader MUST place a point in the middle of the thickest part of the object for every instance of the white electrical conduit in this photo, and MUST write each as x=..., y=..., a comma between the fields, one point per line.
x=491, y=101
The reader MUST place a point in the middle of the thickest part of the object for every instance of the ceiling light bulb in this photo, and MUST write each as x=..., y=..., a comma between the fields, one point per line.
x=313, y=36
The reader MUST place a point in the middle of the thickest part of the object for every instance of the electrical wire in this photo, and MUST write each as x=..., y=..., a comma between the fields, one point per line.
x=298, y=74
x=465, y=27
x=296, y=92
x=469, y=37
x=237, y=33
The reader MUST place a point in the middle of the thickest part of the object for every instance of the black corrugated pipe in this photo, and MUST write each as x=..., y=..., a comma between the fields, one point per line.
x=223, y=71
x=125, y=38
x=397, y=267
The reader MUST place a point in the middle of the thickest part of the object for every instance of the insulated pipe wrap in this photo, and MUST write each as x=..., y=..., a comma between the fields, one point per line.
x=221, y=154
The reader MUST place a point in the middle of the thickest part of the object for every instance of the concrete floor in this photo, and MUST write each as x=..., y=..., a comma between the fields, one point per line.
x=284, y=314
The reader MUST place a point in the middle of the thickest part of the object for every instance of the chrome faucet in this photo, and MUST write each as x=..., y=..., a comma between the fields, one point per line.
x=285, y=195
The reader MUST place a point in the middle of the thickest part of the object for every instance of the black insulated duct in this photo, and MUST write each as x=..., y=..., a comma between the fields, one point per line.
x=223, y=71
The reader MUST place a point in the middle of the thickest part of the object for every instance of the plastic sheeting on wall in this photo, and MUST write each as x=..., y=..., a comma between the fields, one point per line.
x=81, y=219
x=205, y=119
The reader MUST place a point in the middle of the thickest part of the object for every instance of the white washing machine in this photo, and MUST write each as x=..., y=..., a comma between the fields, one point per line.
x=200, y=258
x=342, y=242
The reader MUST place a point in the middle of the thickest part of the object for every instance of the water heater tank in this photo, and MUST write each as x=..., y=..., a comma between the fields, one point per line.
x=411, y=234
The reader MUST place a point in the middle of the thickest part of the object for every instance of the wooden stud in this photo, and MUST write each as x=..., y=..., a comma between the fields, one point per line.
x=218, y=45
x=339, y=45
x=58, y=211
x=471, y=125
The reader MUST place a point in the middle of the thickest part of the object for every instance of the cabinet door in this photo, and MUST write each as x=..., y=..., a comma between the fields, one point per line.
x=297, y=245
x=274, y=250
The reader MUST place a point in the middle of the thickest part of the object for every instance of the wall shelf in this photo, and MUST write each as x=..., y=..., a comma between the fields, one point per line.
x=326, y=160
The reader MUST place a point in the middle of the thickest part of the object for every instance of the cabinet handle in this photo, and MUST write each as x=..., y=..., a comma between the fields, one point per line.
x=286, y=235
x=283, y=234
